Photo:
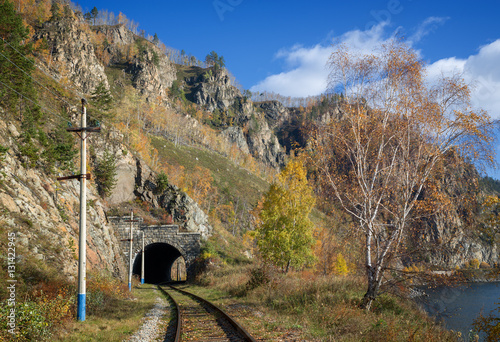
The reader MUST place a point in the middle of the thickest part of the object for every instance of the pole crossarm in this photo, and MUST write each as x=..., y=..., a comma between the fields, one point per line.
x=77, y=130
x=84, y=129
x=85, y=175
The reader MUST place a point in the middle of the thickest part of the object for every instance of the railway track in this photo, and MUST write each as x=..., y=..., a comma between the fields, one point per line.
x=200, y=320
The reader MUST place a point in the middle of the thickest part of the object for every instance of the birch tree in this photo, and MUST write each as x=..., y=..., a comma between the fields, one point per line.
x=394, y=128
x=284, y=234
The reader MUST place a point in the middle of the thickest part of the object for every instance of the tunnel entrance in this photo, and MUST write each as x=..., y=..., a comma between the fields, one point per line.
x=159, y=259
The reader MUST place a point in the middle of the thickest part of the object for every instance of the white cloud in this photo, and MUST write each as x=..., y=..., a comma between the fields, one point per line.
x=481, y=70
x=307, y=75
x=307, y=71
x=426, y=27
x=366, y=41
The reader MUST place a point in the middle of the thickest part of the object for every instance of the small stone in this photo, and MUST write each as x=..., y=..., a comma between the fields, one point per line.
x=7, y=202
x=13, y=131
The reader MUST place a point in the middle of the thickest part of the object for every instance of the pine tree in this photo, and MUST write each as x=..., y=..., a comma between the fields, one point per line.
x=93, y=13
x=102, y=100
x=16, y=84
x=105, y=173
x=56, y=11
x=14, y=35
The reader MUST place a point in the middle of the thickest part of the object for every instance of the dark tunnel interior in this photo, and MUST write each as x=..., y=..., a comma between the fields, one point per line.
x=158, y=260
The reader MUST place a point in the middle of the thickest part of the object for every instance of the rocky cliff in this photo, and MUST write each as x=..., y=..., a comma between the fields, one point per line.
x=80, y=55
x=44, y=214
x=152, y=73
x=213, y=90
x=136, y=181
x=71, y=54
x=150, y=70
x=452, y=234
x=252, y=126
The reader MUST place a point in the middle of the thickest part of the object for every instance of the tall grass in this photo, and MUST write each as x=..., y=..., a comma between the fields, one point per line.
x=326, y=308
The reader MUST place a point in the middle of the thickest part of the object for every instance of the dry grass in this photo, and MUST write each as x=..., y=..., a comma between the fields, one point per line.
x=316, y=308
x=117, y=318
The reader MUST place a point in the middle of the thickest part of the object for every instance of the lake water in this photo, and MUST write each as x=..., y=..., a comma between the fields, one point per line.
x=458, y=306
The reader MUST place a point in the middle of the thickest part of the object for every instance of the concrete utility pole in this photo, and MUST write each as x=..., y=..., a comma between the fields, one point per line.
x=82, y=245
x=130, y=251
x=142, y=259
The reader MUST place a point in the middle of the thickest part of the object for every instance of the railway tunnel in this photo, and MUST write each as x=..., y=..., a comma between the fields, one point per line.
x=167, y=252
x=162, y=262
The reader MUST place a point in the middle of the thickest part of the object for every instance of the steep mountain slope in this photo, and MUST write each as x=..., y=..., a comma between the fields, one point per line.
x=140, y=75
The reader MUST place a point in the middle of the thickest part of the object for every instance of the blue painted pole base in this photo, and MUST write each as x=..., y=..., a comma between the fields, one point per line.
x=130, y=286
x=142, y=280
x=81, y=307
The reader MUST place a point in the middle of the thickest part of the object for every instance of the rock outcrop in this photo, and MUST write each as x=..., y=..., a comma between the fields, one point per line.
x=451, y=235
x=71, y=54
x=117, y=36
x=44, y=215
x=135, y=180
x=263, y=144
x=183, y=209
x=152, y=73
x=275, y=113
x=213, y=90
x=235, y=135
x=253, y=126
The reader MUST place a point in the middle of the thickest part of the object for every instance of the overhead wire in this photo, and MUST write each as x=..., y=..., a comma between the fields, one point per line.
x=74, y=91
x=32, y=101
x=50, y=91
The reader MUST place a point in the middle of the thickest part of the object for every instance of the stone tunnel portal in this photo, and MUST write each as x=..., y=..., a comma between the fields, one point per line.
x=158, y=261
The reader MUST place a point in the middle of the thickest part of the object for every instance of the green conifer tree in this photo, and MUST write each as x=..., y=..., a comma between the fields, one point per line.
x=105, y=173
x=12, y=48
x=55, y=10
x=102, y=100
x=93, y=13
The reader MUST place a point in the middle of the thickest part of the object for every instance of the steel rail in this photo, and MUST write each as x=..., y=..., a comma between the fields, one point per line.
x=178, y=329
x=245, y=334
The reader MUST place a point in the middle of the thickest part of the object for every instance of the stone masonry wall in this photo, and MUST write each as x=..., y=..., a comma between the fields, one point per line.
x=187, y=243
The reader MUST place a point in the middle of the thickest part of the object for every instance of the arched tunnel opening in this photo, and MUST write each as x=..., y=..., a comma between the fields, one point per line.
x=162, y=262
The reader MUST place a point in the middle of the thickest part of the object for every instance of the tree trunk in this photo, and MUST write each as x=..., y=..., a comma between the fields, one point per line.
x=371, y=292
x=371, y=273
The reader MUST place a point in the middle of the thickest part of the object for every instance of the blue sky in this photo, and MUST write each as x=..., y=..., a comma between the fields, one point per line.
x=282, y=46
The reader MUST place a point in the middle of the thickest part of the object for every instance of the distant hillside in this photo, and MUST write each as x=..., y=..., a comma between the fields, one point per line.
x=490, y=185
